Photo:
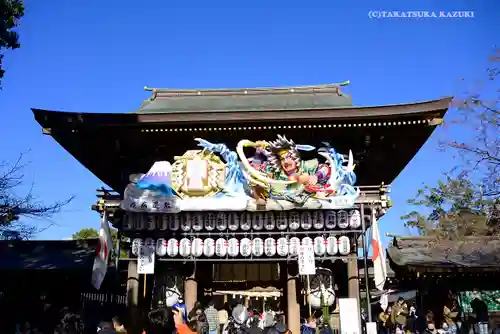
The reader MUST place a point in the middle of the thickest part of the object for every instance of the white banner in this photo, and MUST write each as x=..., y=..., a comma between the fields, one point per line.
x=307, y=265
x=102, y=253
x=146, y=260
x=350, y=322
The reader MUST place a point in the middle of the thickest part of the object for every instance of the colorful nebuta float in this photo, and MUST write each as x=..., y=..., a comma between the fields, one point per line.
x=281, y=180
x=218, y=179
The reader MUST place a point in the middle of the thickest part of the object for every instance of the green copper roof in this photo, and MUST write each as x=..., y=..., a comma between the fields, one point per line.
x=246, y=99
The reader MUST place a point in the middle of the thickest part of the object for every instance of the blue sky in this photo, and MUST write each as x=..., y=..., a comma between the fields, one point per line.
x=96, y=56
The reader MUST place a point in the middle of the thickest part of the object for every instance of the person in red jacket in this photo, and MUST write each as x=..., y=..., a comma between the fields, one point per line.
x=182, y=327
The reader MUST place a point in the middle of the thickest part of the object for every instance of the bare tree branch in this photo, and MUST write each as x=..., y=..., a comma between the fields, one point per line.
x=13, y=207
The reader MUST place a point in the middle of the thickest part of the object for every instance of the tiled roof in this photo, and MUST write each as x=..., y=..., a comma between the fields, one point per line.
x=61, y=254
x=246, y=99
x=428, y=252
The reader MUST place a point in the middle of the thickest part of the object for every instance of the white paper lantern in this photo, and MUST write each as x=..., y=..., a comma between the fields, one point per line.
x=221, y=247
x=342, y=219
x=258, y=221
x=197, y=247
x=172, y=247
x=127, y=222
x=330, y=219
x=269, y=247
x=185, y=247
x=282, y=246
x=234, y=222
x=221, y=223
x=150, y=242
x=294, y=220
x=246, y=221
x=210, y=221
x=319, y=246
x=161, y=247
x=306, y=241
x=136, y=243
x=134, y=220
x=257, y=247
x=174, y=222
x=186, y=222
x=233, y=247
x=318, y=220
x=293, y=246
x=269, y=223
x=354, y=219
x=306, y=220
x=209, y=247
x=197, y=222
x=151, y=222
x=344, y=245
x=140, y=222
x=281, y=221
x=332, y=245
x=245, y=247
x=163, y=222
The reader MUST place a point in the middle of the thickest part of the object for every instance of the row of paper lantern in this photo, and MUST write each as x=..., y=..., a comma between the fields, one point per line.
x=245, y=221
x=244, y=247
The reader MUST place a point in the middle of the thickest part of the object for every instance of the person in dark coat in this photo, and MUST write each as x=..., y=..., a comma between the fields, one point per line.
x=106, y=327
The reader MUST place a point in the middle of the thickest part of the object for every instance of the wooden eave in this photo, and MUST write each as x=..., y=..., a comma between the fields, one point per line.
x=123, y=140
x=429, y=109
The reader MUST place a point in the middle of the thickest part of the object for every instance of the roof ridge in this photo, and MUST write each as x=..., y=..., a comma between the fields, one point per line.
x=334, y=88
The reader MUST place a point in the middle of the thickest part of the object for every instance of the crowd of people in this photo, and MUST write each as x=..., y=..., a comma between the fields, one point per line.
x=400, y=318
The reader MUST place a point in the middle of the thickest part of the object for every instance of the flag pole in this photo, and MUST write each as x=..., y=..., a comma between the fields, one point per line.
x=309, y=294
x=365, y=262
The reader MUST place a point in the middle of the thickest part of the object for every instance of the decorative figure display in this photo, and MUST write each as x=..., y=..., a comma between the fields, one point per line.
x=215, y=178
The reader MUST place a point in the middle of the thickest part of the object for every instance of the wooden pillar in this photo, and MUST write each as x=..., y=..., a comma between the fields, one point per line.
x=293, y=307
x=353, y=278
x=191, y=290
x=133, y=297
x=353, y=282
